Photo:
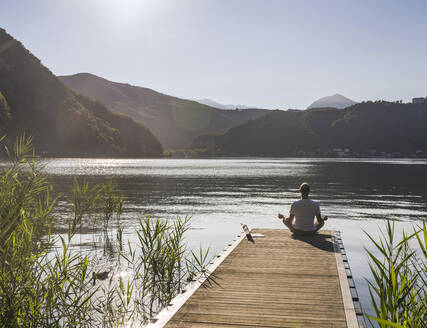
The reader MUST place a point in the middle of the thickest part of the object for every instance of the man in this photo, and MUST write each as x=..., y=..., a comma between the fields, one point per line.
x=301, y=218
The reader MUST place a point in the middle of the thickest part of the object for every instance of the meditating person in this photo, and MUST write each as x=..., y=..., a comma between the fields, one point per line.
x=304, y=217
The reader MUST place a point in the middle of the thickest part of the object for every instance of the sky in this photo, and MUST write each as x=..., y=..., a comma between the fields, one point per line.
x=264, y=53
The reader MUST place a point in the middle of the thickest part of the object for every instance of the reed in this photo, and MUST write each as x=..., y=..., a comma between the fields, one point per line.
x=38, y=287
x=45, y=281
x=398, y=284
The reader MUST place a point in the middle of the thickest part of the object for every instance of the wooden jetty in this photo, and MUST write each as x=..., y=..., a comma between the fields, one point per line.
x=278, y=280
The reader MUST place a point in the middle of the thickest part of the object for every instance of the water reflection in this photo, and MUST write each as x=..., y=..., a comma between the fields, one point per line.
x=222, y=193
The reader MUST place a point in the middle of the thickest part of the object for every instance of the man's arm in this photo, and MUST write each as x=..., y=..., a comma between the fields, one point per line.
x=320, y=219
x=287, y=221
x=291, y=214
x=290, y=218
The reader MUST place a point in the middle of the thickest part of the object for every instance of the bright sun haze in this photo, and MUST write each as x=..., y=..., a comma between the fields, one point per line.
x=270, y=54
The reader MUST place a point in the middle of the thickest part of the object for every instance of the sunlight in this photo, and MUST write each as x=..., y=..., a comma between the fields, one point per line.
x=138, y=138
x=125, y=11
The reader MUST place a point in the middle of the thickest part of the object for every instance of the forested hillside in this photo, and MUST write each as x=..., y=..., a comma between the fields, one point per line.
x=4, y=110
x=364, y=129
x=174, y=121
x=61, y=122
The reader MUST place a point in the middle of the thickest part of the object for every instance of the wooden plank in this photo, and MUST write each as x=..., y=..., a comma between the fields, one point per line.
x=166, y=314
x=277, y=281
x=350, y=313
x=233, y=319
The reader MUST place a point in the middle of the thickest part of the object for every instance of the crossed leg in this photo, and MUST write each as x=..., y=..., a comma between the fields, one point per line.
x=319, y=224
x=288, y=224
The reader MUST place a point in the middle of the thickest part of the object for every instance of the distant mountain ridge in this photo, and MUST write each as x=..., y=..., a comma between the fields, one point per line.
x=62, y=123
x=174, y=121
x=364, y=129
x=212, y=103
x=334, y=101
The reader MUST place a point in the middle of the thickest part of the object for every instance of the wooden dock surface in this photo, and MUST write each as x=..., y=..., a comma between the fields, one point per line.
x=277, y=281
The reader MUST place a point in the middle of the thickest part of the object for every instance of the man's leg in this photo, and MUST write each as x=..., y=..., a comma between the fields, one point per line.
x=288, y=224
x=319, y=224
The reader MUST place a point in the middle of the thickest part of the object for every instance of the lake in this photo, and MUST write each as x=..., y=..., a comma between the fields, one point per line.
x=219, y=194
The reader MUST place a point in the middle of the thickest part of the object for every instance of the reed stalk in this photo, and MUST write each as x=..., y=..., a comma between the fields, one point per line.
x=398, y=284
x=45, y=281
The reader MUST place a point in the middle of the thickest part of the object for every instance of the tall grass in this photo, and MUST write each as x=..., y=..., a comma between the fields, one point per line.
x=45, y=281
x=398, y=286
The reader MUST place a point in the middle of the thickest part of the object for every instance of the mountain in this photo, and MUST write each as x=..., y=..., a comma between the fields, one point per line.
x=366, y=128
x=335, y=101
x=36, y=102
x=212, y=103
x=174, y=121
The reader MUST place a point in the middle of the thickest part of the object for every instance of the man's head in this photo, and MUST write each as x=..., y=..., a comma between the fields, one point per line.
x=304, y=189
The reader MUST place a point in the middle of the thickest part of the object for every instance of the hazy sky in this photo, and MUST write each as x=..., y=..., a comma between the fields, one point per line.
x=273, y=54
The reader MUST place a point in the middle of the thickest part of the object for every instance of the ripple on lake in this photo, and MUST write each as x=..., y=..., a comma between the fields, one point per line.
x=221, y=193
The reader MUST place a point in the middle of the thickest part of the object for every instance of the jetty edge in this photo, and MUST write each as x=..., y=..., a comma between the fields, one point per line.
x=277, y=280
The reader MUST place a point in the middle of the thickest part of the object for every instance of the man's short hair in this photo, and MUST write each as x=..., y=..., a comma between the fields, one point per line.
x=304, y=188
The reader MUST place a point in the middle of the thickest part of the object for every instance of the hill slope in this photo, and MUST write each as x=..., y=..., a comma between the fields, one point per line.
x=63, y=123
x=174, y=121
x=212, y=103
x=335, y=101
x=362, y=128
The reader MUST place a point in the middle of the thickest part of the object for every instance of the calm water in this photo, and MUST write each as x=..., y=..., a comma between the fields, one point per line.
x=221, y=193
